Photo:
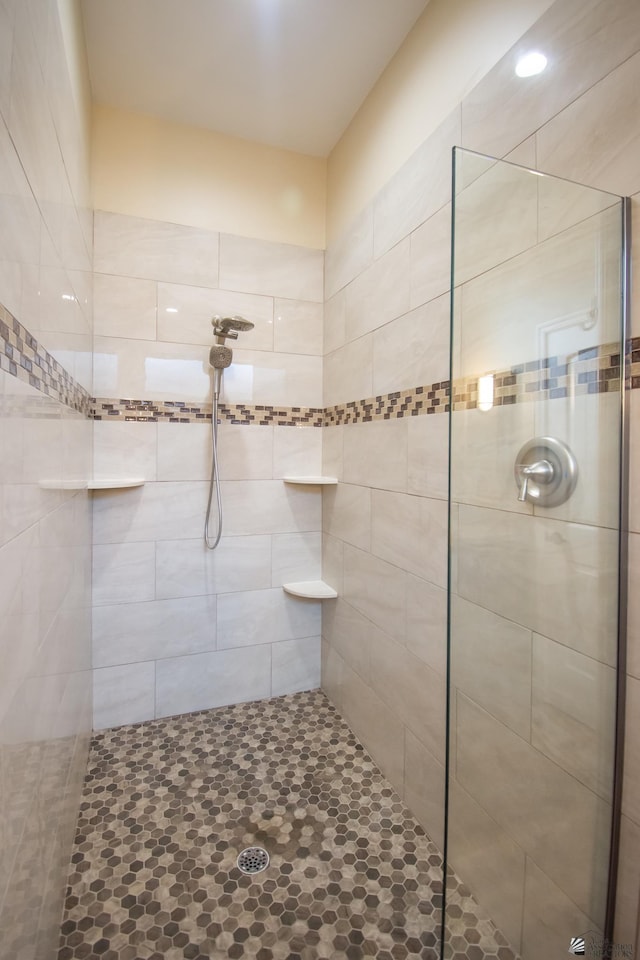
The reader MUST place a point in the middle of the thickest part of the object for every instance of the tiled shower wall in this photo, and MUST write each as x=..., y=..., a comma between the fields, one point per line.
x=45, y=459
x=384, y=527
x=177, y=627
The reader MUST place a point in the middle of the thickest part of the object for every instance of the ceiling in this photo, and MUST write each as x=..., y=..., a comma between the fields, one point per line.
x=289, y=73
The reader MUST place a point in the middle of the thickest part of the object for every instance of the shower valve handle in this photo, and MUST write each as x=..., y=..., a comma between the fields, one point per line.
x=542, y=471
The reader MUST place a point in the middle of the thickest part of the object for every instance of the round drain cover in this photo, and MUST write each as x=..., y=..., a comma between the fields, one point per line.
x=253, y=860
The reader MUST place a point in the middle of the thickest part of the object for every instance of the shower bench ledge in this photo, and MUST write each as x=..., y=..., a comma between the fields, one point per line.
x=310, y=589
x=318, y=481
x=113, y=484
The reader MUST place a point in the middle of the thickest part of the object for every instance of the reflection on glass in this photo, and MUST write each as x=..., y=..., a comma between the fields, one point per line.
x=533, y=590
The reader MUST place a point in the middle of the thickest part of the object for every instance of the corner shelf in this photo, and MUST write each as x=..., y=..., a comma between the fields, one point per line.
x=310, y=589
x=121, y=484
x=316, y=481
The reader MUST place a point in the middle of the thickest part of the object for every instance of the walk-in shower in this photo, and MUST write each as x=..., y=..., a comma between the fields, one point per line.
x=220, y=357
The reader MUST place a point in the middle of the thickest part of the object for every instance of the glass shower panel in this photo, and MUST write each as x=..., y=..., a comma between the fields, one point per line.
x=534, y=547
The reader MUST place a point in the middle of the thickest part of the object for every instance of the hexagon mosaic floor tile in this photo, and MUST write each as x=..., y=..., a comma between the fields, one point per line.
x=170, y=804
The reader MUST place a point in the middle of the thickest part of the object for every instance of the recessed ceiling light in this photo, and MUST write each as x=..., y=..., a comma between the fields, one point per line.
x=530, y=64
x=172, y=309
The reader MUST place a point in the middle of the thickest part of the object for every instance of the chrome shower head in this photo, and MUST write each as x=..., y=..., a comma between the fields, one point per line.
x=220, y=357
x=230, y=326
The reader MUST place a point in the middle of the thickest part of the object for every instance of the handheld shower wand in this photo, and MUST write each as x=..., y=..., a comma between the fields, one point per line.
x=220, y=357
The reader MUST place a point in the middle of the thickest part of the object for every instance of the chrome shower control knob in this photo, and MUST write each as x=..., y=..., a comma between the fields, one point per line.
x=545, y=472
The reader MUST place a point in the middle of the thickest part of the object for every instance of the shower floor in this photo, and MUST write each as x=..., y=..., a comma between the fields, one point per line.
x=169, y=804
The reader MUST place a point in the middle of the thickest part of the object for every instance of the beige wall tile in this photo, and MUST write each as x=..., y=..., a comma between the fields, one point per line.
x=348, y=372
x=424, y=787
x=347, y=514
x=603, y=147
x=185, y=568
x=491, y=663
x=185, y=314
x=297, y=451
x=155, y=250
x=333, y=563
x=418, y=189
x=252, y=617
x=375, y=453
x=428, y=456
x=484, y=450
x=631, y=787
x=332, y=452
x=124, y=307
x=488, y=861
x=573, y=703
x=298, y=327
x=349, y=633
x=295, y=665
x=412, y=690
x=205, y=680
x=561, y=824
x=503, y=109
x=628, y=889
x=123, y=694
x=555, y=578
x=427, y=622
x=134, y=632
x=351, y=254
x=271, y=269
x=424, y=553
x=125, y=450
x=412, y=350
x=335, y=322
x=380, y=293
x=376, y=726
x=295, y=556
x=167, y=511
x=377, y=589
x=550, y=918
x=431, y=258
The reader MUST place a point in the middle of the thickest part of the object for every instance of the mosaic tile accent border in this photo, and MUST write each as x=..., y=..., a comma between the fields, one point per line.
x=593, y=370
x=106, y=408
x=23, y=357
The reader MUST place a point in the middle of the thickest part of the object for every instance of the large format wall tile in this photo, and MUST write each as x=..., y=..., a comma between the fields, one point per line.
x=206, y=680
x=271, y=269
x=603, y=147
x=264, y=616
x=573, y=703
x=418, y=189
x=379, y=294
x=490, y=862
x=583, y=41
x=352, y=253
x=424, y=553
x=555, y=578
x=131, y=632
x=185, y=568
x=375, y=453
x=412, y=690
x=538, y=804
x=377, y=589
x=123, y=694
x=413, y=349
x=295, y=665
x=185, y=314
x=491, y=663
x=124, y=307
x=347, y=514
x=550, y=917
x=155, y=250
x=424, y=787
